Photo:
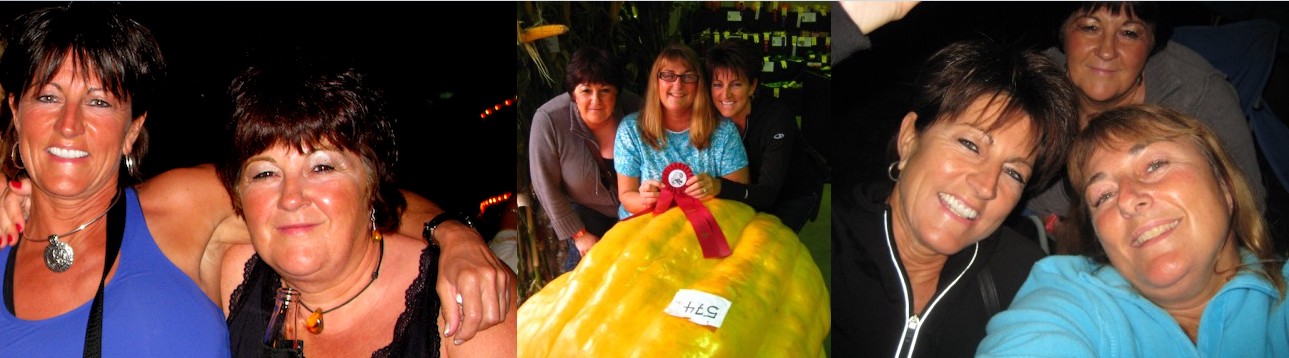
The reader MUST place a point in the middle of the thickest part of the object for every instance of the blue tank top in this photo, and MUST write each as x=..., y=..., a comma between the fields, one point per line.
x=150, y=309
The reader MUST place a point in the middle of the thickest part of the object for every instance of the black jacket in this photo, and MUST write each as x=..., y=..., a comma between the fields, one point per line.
x=780, y=164
x=869, y=297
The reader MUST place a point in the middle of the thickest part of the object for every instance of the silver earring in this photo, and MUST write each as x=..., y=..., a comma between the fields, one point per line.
x=16, y=162
x=130, y=167
x=375, y=232
x=891, y=171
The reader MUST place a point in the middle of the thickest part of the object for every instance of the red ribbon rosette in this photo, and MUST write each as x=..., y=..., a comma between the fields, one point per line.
x=710, y=237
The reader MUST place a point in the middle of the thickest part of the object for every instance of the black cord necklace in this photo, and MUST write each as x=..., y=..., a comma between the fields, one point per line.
x=314, y=323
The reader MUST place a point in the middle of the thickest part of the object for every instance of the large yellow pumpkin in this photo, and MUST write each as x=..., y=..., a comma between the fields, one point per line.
x=613, y=304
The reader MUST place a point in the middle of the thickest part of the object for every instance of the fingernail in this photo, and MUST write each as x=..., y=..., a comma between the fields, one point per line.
x=16, y=184
x=457, y=342
x=19, y=227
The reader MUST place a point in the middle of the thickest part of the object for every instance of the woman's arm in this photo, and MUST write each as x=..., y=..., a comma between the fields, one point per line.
x=776, y=155
x=466, y=267
x=547, y=176
x=635, y=196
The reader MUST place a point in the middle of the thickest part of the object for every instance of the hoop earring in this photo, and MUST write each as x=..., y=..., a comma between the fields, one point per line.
x=891, y=171
x=17, y=163
x=375, y=233
x=130, y=166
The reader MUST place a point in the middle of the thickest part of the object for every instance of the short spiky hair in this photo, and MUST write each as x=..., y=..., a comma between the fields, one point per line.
x=1024, y=81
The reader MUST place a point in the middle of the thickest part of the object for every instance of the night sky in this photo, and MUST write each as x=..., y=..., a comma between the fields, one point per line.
x=447, y=152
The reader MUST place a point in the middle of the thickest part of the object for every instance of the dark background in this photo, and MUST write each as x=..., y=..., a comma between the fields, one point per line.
x=447, y=152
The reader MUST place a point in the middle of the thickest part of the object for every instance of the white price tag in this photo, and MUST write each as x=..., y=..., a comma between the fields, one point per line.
x=734, y=16
x=699, y=307
x=778, y=41
x=807, y=17
x=767, y=67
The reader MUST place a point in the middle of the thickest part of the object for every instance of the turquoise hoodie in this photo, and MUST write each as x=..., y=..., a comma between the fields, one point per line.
x=1071, y=306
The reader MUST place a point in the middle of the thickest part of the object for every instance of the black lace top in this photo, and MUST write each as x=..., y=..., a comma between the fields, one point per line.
x=415, y=333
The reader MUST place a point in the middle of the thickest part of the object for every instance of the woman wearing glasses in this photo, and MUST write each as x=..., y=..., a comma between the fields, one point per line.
x=676, y=123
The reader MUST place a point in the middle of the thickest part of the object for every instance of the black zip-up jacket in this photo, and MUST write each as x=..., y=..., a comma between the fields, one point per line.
x=872, y=312
x=779, y=165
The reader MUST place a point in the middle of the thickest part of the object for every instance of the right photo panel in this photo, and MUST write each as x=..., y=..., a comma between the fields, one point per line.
x=1079, y=179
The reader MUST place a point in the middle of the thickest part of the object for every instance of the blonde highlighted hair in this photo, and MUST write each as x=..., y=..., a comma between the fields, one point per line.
x=1148, y=124
x=703, y=119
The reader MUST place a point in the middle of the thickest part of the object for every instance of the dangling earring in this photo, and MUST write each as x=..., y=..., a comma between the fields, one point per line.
x=891, y=171
x=16, y=162
x=375, y=233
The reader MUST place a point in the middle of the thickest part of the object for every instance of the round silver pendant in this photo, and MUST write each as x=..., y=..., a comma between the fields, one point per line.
x=58, y=255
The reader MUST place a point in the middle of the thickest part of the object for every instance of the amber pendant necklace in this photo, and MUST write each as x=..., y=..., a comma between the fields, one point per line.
x=59, y=256
x=314, y=323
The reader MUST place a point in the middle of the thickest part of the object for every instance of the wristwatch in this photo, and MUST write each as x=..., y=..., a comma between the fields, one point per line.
x=428, y=232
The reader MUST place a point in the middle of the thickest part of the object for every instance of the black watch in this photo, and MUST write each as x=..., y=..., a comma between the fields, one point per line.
x=428, y=232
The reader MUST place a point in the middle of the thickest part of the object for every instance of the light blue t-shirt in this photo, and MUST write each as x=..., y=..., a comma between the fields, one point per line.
x=1071, y=306
x=635, y=158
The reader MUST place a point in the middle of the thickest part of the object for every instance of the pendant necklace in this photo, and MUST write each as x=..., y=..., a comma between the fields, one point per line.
x=314, y=323
x=59, y=255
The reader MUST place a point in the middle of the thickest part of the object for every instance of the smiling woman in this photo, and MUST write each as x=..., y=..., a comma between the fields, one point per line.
x=914, y=253
x=1161, y=201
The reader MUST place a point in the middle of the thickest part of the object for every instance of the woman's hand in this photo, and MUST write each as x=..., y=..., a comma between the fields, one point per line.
x=469, y=269
x=15, y=202
x=702, y=186
x=585, y=242
x=650, y=190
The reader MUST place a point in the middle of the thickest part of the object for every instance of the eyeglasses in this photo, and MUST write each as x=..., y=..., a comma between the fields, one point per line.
x=672, y=76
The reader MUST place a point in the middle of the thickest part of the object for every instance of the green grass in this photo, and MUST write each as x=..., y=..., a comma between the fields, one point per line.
x=817, y=236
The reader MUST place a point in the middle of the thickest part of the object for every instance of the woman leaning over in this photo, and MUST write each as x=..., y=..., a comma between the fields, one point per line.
x=676, y=123
x=784, y=179
x=1118, y=53
x=313, y=179
x=571, y=150
x=920, y=264
x=1174, y=257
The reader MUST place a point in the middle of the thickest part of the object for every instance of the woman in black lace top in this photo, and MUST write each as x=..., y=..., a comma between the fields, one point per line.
x=311, y=173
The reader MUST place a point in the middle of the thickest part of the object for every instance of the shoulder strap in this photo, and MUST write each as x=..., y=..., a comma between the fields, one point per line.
x=988, y=291
x=115, y=231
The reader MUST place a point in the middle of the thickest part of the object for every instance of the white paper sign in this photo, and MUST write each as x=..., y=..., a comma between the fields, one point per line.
x=807, y=17
x=734, y=16
x=699, y=307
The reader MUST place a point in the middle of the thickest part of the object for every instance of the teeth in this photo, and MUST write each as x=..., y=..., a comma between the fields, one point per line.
x=957, y=207
x=1155, y=232
x=67, y=153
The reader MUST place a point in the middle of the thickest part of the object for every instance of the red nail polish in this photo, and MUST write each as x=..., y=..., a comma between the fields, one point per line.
x=16, y=184
x=19, y=227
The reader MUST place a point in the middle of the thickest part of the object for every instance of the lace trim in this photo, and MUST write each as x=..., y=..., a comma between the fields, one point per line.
x=419, y=316
x=235, y=302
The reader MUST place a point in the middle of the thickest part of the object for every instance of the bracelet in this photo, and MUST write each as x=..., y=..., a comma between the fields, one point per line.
x=428, y=232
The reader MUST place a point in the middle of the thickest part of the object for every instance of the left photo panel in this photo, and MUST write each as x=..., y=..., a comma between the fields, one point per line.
x=258, y=179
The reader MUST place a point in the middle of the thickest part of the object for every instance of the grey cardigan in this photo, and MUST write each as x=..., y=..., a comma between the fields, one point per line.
x=564, y=170
x=1181, y=79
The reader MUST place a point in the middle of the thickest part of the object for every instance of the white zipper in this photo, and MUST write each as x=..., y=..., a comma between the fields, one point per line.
x=913, y=326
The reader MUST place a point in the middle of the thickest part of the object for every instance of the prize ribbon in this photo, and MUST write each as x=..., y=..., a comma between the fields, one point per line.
x=710, y=237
